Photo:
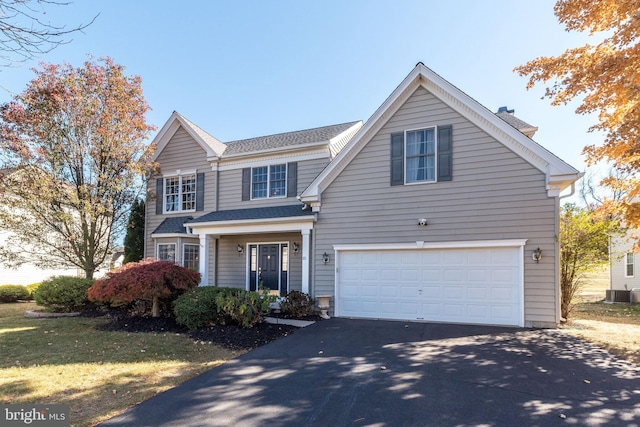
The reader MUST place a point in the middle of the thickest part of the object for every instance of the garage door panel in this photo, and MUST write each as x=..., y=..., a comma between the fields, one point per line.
x=453, y=292
x=502, y=312
x=431, y=275
x=408, y=307
x=430, y=311
x=389, y=291
x=480, y=312
x=431, y=292
x=411, y=275
x=503, y=293
x=369, y=274
x=369, y=291
x=476, y=293
x=472, y=285
x=454, y=275
x=387, y=274
x=410, y=291
x=503, y=275
x=453, y=310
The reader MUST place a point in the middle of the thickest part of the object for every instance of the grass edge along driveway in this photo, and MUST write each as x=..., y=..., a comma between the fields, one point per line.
x=98, y=373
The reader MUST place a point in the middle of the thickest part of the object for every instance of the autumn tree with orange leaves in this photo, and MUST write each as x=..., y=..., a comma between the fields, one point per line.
x=72, y=151
x=606, y=77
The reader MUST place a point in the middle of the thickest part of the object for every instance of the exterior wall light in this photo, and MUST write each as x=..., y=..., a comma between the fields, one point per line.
x=422, y=222
x=536, y=255
x=296, y=247
x=325, y=258
x=240, y=249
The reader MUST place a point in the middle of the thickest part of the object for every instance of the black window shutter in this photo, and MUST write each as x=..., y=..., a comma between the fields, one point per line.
x=246, y=184
x=159, y=195
x=397, y=158
x=292, y=179
x=200, y=191
x=445, y=154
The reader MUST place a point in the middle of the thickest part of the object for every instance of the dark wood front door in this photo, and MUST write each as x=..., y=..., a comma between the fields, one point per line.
x=269, y=266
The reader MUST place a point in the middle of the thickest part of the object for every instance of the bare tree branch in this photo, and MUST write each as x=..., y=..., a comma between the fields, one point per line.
x=25, y=34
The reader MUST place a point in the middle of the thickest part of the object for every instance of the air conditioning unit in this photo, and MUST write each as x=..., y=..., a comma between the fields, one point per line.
x=615, y=295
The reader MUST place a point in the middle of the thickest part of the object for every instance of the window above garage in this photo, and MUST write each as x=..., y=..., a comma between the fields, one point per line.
x=421, y=155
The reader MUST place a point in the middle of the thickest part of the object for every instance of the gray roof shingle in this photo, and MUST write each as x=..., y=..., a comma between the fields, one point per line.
x=255, y=213
x=217, y=146
x=286, y=139
x=521, y=125
x=173, y=225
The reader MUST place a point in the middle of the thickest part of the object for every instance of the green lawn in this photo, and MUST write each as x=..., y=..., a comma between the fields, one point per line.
x=98, y=373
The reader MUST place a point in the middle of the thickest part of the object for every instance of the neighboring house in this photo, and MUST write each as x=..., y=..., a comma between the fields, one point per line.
x=623, y=267
x=430, y=211
x=27, y=273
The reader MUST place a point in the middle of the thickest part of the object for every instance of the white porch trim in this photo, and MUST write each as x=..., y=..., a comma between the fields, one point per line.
x=203, y=261
x=303, y=225
x=305, y=260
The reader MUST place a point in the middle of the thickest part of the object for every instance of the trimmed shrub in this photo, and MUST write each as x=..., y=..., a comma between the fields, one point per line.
x=297, y=304
x=197, y=307
x=32, y=289
x=63, y=293
x=155, y=281
x=13, y=293
x=246, y=308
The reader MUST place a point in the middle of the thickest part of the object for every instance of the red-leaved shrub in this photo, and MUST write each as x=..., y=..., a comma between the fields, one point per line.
x=144, y=280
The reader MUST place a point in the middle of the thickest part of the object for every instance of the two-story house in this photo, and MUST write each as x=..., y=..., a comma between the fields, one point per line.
x=435, y=209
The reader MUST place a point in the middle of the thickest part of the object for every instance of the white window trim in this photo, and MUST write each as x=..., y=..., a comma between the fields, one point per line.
x=179, y=174
x=435, y=155
x=175, y=248
x=286, y=179
x=626, y=264
x=184, y=246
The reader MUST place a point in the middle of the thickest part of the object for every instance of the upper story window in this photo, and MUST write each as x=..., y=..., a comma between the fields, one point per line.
x=180, y=193
x=272, y=181
x=421, y=155
x=269, y=181
x=628, y=272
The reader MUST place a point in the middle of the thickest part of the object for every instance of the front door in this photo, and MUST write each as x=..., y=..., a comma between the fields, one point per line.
x=269, y=266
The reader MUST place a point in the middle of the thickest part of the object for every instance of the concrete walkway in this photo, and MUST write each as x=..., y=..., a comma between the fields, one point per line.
x=342, y=372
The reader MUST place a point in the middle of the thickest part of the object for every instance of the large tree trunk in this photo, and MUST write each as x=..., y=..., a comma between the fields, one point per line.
x=155, y=307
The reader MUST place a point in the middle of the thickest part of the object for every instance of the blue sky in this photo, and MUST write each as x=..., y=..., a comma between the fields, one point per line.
x=240, y=69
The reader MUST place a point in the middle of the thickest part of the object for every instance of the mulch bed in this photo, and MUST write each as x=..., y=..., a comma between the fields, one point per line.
x=228, y=336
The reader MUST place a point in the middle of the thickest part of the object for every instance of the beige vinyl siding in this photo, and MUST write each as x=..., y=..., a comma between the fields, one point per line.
x=232, y=267
x=494, y=195
x=619, y=248
x=231, y=186
x=184, y=153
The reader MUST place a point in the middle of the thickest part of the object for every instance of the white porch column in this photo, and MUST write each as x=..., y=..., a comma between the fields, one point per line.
x=305, y=261
x=204, y=259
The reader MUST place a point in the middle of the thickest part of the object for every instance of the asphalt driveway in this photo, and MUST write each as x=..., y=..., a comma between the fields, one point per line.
x=343, y=372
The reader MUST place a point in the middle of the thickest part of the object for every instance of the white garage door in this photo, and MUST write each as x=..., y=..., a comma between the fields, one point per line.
x=460, y=285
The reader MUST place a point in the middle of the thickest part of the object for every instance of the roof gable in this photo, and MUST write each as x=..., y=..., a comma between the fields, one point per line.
x=211, y=145
x=559, y=174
